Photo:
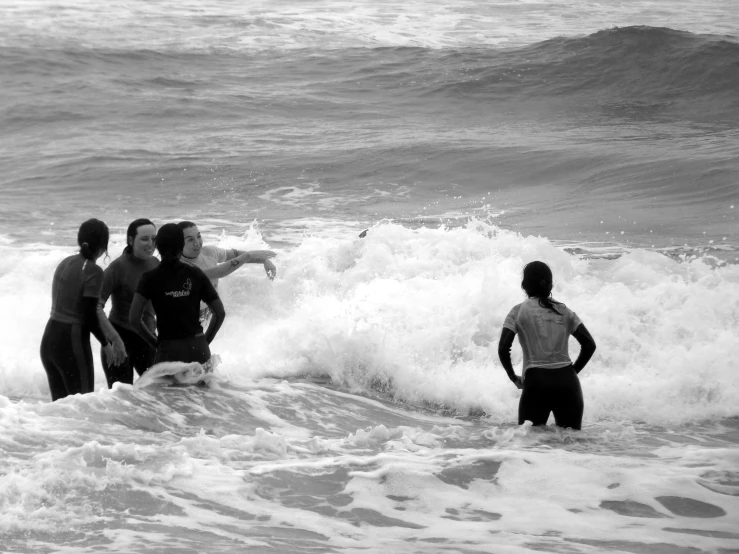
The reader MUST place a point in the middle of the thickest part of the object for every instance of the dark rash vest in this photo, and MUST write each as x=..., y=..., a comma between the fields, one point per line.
x=175, y=290
x=119, y=283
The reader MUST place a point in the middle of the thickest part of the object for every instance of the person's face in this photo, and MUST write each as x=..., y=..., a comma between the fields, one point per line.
x=143, y=242
x=193, y=242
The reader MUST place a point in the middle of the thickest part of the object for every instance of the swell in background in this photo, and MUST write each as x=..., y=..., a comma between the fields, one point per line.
x=624, y=135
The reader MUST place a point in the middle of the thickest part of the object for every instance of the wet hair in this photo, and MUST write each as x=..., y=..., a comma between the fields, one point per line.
x=170, y=242
x=133, y=230
x=92, y=237
x=538, y=282
x=185, y=225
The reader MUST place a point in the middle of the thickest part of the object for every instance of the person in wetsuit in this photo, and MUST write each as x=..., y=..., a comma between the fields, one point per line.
x=218, y=262
x=130, y=350
x=549, y=378
x=66, y=353
x=175, y=290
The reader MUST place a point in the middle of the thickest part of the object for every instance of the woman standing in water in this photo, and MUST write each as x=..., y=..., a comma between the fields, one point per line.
x=219, y=262
x=65, y=348
x=130, y=351
x=175, y=290
x=549, y=378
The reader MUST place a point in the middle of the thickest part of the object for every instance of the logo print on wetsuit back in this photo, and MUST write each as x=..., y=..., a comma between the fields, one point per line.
x=549, y=330
x=186, y=286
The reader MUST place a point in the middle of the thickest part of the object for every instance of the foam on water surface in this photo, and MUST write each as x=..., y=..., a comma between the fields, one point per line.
x=415, y=315
x=296, y=467
x=294, y=25
x=359, y=404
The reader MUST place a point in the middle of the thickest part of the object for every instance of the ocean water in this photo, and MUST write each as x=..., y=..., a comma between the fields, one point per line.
x=359, y=405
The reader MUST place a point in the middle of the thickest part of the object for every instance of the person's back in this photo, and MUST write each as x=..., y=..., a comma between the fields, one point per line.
x=74, y=279
x=543, y=333
x=176, y=290
x=65, y=348
x=549, y=378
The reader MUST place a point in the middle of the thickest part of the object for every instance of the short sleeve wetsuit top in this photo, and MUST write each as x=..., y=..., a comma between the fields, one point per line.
x=176, y=290
x=65, y=347
x=543, y=334
x=119, y=283
x=75, y=279
x=210, y=256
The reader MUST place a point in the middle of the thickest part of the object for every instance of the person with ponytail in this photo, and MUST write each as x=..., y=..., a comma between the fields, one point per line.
x=120, y=279
x=175, y=290
x=66, y=353
x=549, y=378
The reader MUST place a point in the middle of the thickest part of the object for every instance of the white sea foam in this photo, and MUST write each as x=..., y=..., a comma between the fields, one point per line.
x=414, y=315
x=191, y=25
x=454, y=482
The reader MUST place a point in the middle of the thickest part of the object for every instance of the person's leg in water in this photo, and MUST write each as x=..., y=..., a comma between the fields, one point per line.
x=139, y=356
x=534, y=405
x=567, y=401
x=191, y=349
x=67, y=359
x=142, y=355
x=55, y=346
x=122, y=373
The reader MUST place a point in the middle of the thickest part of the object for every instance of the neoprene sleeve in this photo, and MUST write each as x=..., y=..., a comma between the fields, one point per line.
x=90, y=309
x=504, y=352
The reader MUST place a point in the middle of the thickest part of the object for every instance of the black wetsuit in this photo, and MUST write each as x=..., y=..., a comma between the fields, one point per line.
x=119, y=283
x=175, y=290
x=551, y=390
x=65, y=347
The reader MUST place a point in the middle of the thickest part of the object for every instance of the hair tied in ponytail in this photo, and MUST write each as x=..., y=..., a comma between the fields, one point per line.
x=537, y=283
x=92, y=238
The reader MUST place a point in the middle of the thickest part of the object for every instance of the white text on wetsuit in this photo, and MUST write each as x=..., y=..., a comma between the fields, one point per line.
x=187, y=286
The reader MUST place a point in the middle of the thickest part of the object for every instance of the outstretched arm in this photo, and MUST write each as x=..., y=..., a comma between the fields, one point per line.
x=587, y=347
x=504, y=354
x=134, y=319
x=235, y=259
x=256, y=257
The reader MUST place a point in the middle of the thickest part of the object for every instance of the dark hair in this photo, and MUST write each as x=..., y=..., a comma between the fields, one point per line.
x=92, y=237
x=133, y=230
x=185, y=225
x=537, y=283
x=170, y=242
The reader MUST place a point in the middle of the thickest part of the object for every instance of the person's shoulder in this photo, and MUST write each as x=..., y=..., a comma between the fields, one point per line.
x=151, y=263
x=515, y=309
x=92, y=271
x=196, y=271
x=151, y=271
x=211, y=250
x=63, y=263
x=562, y=307
x=72, y=260
x=215, y=253
x=116, y=264
x=569, y=311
